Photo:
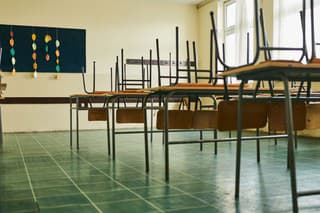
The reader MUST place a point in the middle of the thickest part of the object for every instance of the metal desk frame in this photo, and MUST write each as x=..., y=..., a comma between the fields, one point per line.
x=285, y=72
x=113, y=100
x=168, y=92
x=81, y=103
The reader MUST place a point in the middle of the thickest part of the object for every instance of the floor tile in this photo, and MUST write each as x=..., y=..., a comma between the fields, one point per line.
x=18, y=205
x=176, y=202
x=199, y=180
x=134, y=206
x=111, y=196
x=70, y=209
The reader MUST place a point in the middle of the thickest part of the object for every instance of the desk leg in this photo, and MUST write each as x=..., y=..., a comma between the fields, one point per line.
x=239, y=135
x=292, y=164
x=146, y=145
x=258, y=144
x=77, y=121
x=166, y=138
x=113, y=132
x=70, y=122
x=215, y=136
x=1, y=130
x=108, y=130
x=151, y=124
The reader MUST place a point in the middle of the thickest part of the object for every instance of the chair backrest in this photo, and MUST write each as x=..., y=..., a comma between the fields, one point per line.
x=135, y=74
x=313, y=58
x=254, y=115
x=258, y=14
x=93, y=91
x=191, y=69
x=185, y=71
x=277, y=115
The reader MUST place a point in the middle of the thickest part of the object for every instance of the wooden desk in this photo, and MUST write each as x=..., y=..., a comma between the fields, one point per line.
x=80, y=102
x=167, y=92
x=285, y=72
x=29, y=100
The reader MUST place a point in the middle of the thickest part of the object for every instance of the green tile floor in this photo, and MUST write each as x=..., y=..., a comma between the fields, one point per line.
x=41, y=167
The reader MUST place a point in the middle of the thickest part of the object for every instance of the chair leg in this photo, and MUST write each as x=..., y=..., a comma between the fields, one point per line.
x=295, y=139
x=215, y=135
x=201, y=137
x=162, y=137
x=258, y=145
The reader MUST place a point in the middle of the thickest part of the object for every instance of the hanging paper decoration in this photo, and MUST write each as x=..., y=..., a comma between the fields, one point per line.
x=57, y=52
x=36, y=50
x=47, y=39
x=12, y=52
x=34, y=54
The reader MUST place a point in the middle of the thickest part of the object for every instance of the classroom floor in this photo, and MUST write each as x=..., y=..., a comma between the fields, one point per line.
x=41, y=167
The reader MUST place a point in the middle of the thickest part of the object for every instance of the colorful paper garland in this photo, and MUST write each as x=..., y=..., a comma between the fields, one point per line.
x=47, y=39
x=12, y=52
x=34, y=54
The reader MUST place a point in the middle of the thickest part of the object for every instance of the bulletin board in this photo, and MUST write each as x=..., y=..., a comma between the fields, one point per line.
x=42, y=49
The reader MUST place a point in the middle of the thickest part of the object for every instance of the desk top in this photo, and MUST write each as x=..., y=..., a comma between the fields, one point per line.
x=112, y=94
x=206, y=89
x=195, y=87
x=276, y=70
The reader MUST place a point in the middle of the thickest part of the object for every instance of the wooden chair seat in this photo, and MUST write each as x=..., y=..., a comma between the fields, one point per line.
x=97, y=114
x=132, y=91
x=281, y=61
x=254, y=115
x=277, y=115
x=130, y=116
x=205, y=119
x=101, y=92
x=313, y=116
x=177, y=119
x=193, y=85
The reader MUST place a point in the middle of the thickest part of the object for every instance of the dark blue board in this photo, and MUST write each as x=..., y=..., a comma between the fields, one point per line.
x=72, y=49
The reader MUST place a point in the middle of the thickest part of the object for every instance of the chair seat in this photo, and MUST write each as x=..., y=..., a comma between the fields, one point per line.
x=277, y=115
x=97, y=114
x=205, y=119
x=312, y=116
x=178, y=119
x=254, y=115
x=130, y=116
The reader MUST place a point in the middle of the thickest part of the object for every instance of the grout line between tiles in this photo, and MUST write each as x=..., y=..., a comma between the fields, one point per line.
x=160, y=181
x=102, y=172
x=58, y=165
x=28, y=175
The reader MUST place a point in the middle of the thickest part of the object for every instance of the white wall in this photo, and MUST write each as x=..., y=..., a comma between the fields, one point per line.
x=204, y=28
x=110, y=25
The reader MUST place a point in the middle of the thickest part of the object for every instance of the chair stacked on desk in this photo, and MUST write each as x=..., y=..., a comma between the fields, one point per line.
x=296, y=110
x=186, y=75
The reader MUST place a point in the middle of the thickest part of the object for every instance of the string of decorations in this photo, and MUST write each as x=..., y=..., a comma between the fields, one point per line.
x=57, y=52
x=34, y=54
x=47, y=39
x=12, y=52
x=36, y=50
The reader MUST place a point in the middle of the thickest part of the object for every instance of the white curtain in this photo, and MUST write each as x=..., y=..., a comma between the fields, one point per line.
x=244, y=26
x=236, y=42
x=287, y=27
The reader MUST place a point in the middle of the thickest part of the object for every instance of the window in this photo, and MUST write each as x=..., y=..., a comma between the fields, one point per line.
x=287, y=27
x=238, y=23
x=287, y=32
x=230, y=9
